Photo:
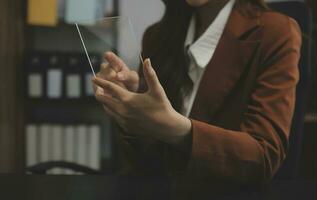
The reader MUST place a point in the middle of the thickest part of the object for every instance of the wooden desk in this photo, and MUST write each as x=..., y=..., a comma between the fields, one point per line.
x=30, y=187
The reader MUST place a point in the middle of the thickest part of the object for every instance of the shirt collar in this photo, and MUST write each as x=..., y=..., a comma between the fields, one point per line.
x=203, y=48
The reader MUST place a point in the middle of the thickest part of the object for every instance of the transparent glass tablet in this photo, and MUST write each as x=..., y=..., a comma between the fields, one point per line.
x=114, y=34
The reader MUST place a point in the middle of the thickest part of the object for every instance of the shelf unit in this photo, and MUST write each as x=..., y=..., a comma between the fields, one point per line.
x=58, y=41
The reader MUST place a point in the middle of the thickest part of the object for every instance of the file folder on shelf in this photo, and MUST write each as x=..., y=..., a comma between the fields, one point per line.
x=34, y=78
x=31, y=145
x=35, y=83
x=54, y=83
x=42, y=12
x=82, y=144
x=82, y=11
x=45, y=143
x=94, y=144
x=73, y=86
x=88, y=85
x=70, y=153
x=57, y=146
x=55, y=77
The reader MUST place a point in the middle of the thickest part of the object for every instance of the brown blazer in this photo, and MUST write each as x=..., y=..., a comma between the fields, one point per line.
x=243, y=110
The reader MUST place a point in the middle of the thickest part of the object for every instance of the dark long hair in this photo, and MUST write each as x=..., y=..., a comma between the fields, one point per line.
x=163, y=42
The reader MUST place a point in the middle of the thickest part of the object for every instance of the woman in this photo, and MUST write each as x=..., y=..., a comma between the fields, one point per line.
x=219, y=99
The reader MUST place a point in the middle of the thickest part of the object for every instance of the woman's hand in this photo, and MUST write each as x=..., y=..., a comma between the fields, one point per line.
x=149, y=114
x=118, y=72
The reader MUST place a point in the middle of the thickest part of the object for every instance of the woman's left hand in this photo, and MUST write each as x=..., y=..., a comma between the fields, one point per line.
x=148, y=114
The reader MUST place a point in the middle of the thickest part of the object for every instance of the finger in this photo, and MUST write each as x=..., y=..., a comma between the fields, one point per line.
x=106, y=72
x=128, y=77
x=111, y=107
x=112, y=88
x=125, y=78
x=100, y=74
x=109, y=101
x=115, y=62
x=98, y=90
x=150, y=76
x=95, y=87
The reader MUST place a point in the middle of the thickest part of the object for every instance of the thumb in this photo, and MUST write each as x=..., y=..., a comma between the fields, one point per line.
x=151, y=78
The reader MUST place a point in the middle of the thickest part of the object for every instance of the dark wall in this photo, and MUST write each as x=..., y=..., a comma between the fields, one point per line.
x=11, y=53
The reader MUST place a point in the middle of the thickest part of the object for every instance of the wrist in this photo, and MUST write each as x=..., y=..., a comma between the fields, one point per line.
x=179, y=129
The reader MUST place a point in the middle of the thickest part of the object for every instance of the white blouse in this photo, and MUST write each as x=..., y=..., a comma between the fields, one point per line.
x=202, y=50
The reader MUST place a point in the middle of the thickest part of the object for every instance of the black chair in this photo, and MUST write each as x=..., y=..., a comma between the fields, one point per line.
x=302, y=14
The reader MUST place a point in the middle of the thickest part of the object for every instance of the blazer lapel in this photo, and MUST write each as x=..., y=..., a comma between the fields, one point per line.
x=233, y=53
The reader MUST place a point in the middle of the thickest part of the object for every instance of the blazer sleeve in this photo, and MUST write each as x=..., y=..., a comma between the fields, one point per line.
x=255, y=152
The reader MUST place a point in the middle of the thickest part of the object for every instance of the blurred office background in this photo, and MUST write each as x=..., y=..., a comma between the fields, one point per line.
x=47, y=109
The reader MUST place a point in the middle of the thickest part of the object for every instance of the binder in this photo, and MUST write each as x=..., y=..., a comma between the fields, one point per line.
x=45, y=143
x=81, y=11
x=54, y=83
x=94, y=146
x=42, y=12
x=57, y=146
x=82, y=145
x=73, y=76
x=34, y=77
x=54, y=78
x=35, y=83
x=31, y=145
x=73, y=86
x=69, y=155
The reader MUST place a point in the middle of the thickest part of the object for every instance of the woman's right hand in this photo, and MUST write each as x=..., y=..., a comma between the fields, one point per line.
x=118, y=72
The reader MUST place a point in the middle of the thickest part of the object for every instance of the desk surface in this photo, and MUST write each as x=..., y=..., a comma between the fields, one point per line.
x=31, y=187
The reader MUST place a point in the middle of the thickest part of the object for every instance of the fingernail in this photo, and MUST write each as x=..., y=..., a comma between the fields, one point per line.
x=108, y=53
x=149, y=62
